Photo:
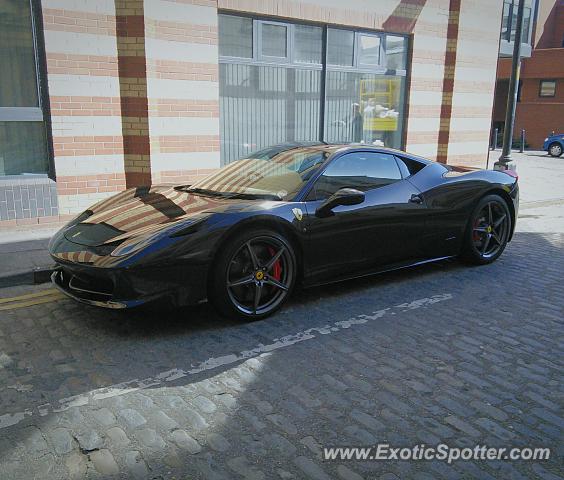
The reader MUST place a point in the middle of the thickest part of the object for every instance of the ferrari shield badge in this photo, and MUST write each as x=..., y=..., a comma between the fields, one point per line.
x=297, y=213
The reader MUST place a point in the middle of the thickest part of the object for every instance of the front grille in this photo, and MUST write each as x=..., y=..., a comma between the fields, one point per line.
x=86, y=286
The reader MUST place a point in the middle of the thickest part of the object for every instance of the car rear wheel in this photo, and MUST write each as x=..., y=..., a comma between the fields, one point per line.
x=488, y=231
x=555, y=149
x=253, y=275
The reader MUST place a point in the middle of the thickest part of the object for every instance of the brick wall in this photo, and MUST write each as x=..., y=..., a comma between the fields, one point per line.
x=537, y=115
x=183, y=92
x=133, y=93
x=83, y=81
x=474, y=82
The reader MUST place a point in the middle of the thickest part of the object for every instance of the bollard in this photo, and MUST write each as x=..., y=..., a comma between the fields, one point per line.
x=494, y=140
x=522, y=149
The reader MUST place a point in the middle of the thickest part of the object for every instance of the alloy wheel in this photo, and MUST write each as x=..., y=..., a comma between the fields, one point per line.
x=491, y=229
x=555, y=150
x=260, y=275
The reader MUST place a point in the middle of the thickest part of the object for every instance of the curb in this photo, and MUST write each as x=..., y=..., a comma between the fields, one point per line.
x=29, y=277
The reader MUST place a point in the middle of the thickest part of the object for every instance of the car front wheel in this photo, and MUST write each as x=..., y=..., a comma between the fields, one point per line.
x=555, y=149
x=253, y=275
x=488, y=231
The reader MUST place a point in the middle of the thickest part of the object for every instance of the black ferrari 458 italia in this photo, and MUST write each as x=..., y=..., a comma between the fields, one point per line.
x=309, y=213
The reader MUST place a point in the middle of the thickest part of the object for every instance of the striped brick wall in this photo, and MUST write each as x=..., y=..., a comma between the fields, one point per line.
x=182, y=88
x=474, y=82
x=132, y=65
x=83, y=81
x=133, y=94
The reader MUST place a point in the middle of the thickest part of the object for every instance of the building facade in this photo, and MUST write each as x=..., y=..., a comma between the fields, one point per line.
x=540, y=104
x=98, y=96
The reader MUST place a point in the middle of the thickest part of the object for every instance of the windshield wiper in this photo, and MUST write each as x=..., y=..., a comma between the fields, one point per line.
x=253, y=196
x=200, y=191
x=215, y=193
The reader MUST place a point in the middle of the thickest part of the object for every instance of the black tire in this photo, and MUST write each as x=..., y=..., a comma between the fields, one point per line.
x=555, y=149
x=488, y=231
x=248, y=288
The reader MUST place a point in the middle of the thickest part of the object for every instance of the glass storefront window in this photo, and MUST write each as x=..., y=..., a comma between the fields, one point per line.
x=274, y=40
x=509, y=20
x=23, y=148
x=396, y=50
x=236, y=39
x=18, y=76
x=505, y=20
x=308, y=44
x=340, y=47
x=276, y=96
x=23, y=139
x=369, y=50
x=526, y=25
x=364, y=107
x=264, y=105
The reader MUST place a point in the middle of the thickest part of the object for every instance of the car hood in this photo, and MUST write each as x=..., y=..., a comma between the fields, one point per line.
x=144, y=211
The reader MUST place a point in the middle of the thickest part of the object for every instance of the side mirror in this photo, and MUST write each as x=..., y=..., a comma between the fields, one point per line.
x=344, y=196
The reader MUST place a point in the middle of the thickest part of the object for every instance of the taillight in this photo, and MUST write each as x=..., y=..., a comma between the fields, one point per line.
x=511, y=173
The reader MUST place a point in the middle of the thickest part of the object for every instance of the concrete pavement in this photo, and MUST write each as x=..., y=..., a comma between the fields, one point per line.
x=23, y=254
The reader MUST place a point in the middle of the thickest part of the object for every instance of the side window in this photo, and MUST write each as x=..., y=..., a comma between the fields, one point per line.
x=361, y=170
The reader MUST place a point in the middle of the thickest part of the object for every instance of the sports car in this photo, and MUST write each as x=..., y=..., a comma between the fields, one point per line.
x=305, y=214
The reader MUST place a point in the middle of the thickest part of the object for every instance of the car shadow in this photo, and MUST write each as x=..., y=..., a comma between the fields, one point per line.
x=140, y=322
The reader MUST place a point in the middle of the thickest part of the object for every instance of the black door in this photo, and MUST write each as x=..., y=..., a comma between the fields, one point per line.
x=381, y=231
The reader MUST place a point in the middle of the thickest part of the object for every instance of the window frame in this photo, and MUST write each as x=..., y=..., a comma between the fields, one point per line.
x=546, y=80
x=260, y=56
x=259, y=59
x=310, y=185
x=40, y=113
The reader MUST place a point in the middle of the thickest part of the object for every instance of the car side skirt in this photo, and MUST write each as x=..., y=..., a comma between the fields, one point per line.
x=388, y=268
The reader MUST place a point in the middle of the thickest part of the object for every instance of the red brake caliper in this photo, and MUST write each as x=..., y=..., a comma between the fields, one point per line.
x=476, y=235
x=277, y=267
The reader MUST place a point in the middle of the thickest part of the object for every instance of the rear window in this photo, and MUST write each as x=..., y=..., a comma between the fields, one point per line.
x=409, y=166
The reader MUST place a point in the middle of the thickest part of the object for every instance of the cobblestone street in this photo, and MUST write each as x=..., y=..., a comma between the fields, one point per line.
x=443, y=353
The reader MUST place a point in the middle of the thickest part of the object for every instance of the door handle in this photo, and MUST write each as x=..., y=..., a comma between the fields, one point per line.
x=416, y=199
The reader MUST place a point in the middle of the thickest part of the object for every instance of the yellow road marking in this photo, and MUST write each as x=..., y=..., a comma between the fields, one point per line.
x=30, y=299
x=42, y=293
x=29, y=303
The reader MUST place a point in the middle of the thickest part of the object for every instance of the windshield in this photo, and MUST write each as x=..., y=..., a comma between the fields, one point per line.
x=266, y=174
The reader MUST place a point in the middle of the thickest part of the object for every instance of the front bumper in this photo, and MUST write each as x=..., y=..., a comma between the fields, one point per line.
x=67, y=283
x=120, y=288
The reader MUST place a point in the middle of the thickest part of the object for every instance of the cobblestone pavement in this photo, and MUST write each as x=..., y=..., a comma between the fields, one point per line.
x=441, y=353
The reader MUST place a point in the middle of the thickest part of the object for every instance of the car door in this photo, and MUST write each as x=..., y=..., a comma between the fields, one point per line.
x=356, y=239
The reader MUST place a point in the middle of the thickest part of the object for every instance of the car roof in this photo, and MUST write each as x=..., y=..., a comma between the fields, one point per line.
x=331, y=148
